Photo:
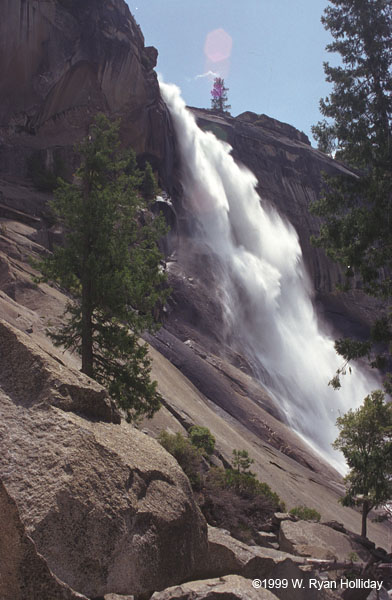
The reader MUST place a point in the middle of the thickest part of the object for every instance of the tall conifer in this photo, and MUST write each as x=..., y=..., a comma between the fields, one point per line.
x=357, y=209
x=110, y=264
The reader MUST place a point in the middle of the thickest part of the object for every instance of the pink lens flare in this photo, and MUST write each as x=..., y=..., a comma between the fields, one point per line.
x=218, y=45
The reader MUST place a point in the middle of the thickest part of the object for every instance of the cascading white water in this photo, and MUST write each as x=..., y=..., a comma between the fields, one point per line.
x=263, y=284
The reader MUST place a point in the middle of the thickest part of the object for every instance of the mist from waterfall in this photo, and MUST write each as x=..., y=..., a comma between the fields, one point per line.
x=263, y=286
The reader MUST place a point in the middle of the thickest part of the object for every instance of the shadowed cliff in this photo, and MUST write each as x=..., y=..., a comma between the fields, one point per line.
x=61, y=62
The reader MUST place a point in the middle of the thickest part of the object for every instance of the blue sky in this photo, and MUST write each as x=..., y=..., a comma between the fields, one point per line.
x=274, y=52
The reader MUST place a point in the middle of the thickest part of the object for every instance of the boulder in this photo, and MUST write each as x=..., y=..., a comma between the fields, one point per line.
x=32, y=377
x=304, y=538
x=281, y=516
x=24, y=574
x=336, y=525
x=227, y=555
x=357, y=593
x=231, y=587
x=108, y=508
x=381, y=595
x=117, y=597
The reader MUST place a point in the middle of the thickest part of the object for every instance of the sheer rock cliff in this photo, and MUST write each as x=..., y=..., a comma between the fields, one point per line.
x=61, y=62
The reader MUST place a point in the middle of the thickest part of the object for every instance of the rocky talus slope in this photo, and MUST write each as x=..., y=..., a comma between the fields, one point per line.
x=104, y=505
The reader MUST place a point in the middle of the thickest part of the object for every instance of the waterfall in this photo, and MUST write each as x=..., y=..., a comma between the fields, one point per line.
x=263, y=285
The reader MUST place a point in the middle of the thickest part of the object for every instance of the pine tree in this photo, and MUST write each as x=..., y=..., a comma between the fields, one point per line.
x=149, y=184
x=365, y=438
x=357, y=209
x=242, y=461
x=219, y=96
x=110, y=264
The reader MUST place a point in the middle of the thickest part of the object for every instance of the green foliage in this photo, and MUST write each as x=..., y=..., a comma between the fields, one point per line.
x=110, y=263
x=202, y=438
x=242, y=461
x=187, y=455
x=365, y=438
x=350, y=350
x=353, y=556
x=237, y=502
x=360, y=103
x=247, y=485
x=149, y=186
x=231, y=499
x=219, y=96
x=305, y=513
x=244, y=483
x=325, y=136
x=357, y=209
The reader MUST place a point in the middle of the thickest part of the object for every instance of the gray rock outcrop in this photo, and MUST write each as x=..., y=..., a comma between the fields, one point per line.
x=229, y=555
x=32, y=377
x=231, y=587
x=106, y=506
x=304, y=538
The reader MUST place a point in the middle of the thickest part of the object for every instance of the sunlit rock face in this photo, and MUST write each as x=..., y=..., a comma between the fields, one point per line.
x=62, y=61
x=104, y=503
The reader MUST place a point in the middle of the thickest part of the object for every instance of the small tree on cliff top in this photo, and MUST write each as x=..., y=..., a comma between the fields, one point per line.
x=110, y=263
x=219, y=96
x=365, y=439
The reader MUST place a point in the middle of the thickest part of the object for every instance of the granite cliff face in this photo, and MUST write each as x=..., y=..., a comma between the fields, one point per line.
x=61, y=62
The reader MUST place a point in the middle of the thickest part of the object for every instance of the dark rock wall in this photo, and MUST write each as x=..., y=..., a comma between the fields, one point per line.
x=61, y=62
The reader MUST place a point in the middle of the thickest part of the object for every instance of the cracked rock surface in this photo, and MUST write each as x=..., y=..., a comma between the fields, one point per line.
x=106, y=506
x=24, y=574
